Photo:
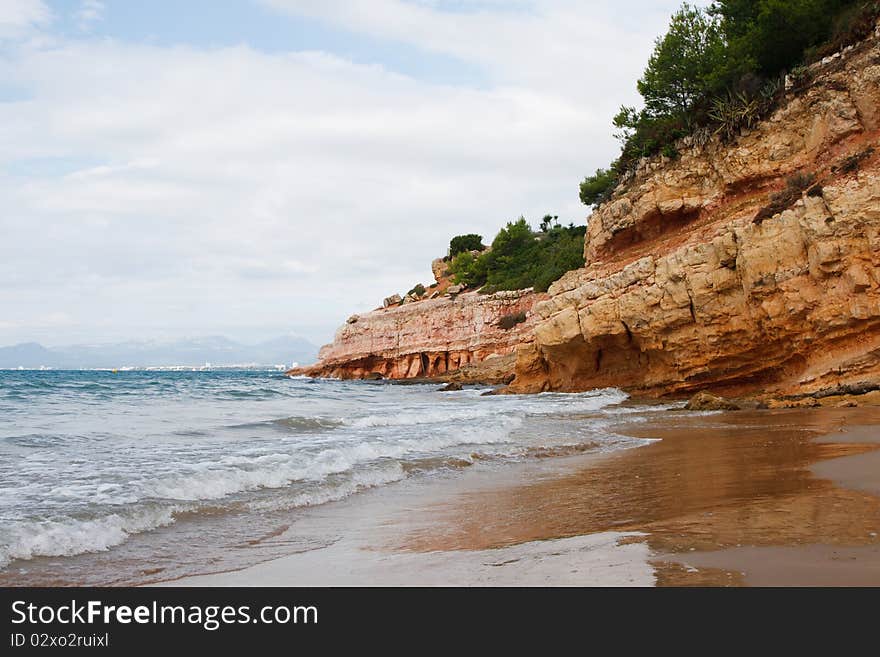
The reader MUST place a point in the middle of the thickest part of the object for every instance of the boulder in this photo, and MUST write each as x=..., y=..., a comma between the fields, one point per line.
x=439, y=268
x=453, y=290
x=453, y=386
x=353, y=319
x=806, y=402
x=704, y=401
x=393, y=300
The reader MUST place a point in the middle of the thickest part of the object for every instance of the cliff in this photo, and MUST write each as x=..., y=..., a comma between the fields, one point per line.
x=431, y=338
x=748, y=267
x=697, y=278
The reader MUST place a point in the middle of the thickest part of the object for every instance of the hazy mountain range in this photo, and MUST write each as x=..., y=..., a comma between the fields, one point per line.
x=217, y=351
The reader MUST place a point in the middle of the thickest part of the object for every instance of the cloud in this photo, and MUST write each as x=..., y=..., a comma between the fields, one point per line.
x=88, y=13
x=185, y=190
x=20, y=17
x=547, y=44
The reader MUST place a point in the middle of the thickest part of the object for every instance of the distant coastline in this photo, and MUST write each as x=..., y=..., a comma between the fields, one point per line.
x=214, y=352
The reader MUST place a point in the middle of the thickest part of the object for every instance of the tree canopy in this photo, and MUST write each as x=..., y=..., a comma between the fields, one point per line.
x=521, y=257
x=470, y=242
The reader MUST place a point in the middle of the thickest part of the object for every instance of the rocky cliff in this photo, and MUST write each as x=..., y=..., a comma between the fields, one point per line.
x=748, y=267
x=432, y=338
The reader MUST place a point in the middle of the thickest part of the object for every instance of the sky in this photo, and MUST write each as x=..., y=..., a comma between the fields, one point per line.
x=253, y=168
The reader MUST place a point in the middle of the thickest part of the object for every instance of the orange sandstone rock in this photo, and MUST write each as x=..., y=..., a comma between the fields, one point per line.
x=684, y=292
x=430, y=338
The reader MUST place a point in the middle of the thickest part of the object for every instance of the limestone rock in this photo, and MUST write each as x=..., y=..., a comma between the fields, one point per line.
x=432, y=338
x=705, y=401
x=682, y=293
x=439, y=267
x=393, y=300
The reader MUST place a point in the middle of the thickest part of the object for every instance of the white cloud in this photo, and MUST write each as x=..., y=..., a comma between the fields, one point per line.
x=234, y=191
x=88, y=13
x=19, y=17
x=571, y=46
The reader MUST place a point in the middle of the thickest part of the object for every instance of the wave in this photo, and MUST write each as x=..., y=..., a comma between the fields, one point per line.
x=155, y=465
x=28, y=540
x=294, y=424
x=41, y=440
x=215, y=479
x=70, y=537
x=435, y=415
x=255, y=393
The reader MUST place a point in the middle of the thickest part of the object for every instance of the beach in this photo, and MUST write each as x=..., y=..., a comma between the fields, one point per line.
x=750, y=498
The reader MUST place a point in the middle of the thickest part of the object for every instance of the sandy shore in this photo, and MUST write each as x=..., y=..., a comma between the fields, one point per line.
x=788, y=497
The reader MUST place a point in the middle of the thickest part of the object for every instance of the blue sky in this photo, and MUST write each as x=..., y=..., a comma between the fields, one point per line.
x=258, y=167
x=213, y=24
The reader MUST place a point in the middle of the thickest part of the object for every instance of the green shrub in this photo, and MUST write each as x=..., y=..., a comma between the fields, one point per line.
x=521, y=258
x=686, y=64
x=670, y=151
x=463, y=243
x=854, y=162
x=597, y=189
x=768, y=36
x=780, y=201
x=465, y=269
x=723, y=67
x=854, y=24
x=417, y=291
x=509, y=321
x=744, y=108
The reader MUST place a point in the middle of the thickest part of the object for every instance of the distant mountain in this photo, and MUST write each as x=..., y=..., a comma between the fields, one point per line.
x=216, y=350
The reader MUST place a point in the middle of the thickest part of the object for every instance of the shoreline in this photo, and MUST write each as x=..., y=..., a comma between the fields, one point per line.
x=746, y=498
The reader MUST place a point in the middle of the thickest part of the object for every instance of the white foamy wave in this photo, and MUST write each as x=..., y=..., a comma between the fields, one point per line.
x=435, y=415
x=358, y=482
x=70, y=537
x=631, y=410
x=211, y=480
x=552, y=402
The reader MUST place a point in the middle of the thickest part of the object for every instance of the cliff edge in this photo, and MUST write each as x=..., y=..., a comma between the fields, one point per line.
x=746, y=267
x=467, y=336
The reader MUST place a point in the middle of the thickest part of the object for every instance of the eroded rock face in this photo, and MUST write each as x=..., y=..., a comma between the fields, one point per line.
x=427, y=339
x=684, y=292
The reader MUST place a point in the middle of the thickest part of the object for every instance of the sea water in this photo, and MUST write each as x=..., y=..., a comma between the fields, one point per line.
x=132, y=476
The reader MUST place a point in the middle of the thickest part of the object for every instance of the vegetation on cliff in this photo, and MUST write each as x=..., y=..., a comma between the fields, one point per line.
x=462, y=243
x=521, y=257
x=720, y=69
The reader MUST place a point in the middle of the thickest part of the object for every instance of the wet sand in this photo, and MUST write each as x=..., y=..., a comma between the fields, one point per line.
x=786, y=497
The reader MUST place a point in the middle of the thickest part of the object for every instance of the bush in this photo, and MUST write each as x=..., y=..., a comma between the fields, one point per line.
x=795, y=185
x=597, y=189
x=722, y=67
x=853, y=25
x=521, y=258
x=854, y=162
x=463, y=243
x=768, y=36
x=686, y=64
x=744, y=108
x=509, y=321
x=465, y=269
x=417, y=291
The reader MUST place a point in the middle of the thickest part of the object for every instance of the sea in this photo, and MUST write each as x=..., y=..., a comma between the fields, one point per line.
x=133, y=477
